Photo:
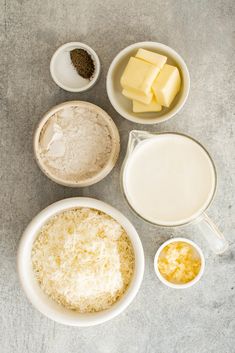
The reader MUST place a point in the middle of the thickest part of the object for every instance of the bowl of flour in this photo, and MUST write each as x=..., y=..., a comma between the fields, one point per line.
x=76, y=144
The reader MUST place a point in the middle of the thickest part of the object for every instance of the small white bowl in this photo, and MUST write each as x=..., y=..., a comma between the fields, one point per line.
x=113, y=154
x=123, y=105
x=41, y=301
x=185, y=285
x=63, y=72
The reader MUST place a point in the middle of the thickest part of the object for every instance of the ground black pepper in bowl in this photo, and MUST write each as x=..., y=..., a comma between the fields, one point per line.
x=83, y=62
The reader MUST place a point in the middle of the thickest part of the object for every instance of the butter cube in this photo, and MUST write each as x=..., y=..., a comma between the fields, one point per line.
x=139, y=75
x=151, y=57
x=153, y=106
x=167, y=85
x=146, y=99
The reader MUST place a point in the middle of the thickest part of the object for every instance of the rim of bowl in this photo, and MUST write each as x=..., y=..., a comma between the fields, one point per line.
x=172, y=112
x=113, y=155
x=90, y=51
x=24, y=251
x=174, y=285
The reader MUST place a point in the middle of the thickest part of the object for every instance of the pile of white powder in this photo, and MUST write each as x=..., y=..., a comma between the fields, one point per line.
x=75, y=144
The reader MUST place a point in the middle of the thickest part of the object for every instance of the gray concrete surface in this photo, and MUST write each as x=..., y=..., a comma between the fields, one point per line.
x=160, y=320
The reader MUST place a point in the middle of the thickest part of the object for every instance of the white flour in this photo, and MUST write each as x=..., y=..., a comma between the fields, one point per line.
x=75, y=144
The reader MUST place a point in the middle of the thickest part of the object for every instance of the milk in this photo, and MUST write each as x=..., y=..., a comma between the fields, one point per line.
x=169, y=179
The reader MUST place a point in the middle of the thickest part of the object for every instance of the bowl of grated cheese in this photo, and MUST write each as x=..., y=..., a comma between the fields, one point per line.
x=80, y=262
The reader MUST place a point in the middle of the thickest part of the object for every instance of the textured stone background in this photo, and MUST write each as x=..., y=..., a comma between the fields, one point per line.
x=160, y=320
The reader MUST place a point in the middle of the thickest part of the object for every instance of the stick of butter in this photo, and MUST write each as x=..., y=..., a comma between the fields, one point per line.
x=153, y=106
x=138, y=76
x=146, y=99
x=167, y=85
x=151, y=57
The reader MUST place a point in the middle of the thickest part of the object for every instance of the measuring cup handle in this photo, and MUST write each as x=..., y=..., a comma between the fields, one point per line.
x=215, y=238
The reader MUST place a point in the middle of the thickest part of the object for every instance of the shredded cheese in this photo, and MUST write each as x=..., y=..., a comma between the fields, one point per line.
x=83, y=259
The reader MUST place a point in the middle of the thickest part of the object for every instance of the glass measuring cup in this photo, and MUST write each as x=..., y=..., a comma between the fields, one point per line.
x=214, y=237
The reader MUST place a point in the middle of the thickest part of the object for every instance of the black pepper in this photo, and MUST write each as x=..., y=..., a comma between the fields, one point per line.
x=83, y=62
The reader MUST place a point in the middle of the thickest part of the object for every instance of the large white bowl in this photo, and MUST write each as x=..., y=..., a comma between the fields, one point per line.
x=123, y=105
x=46, y=305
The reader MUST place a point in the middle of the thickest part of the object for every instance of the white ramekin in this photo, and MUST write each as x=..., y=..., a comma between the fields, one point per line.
x=31, y=287
x=123, y=105
x=185, y=285
x=112, y=157
x=64, y=74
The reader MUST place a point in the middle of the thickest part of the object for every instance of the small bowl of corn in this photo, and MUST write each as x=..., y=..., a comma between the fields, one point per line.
x=179, y=263
x=148, y=82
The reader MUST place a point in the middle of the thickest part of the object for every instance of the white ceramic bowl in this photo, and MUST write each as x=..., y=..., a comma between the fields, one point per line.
x=123, y=105
x=113, y=154
x=46, y=305
x=185, y=285
x=63, y=72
